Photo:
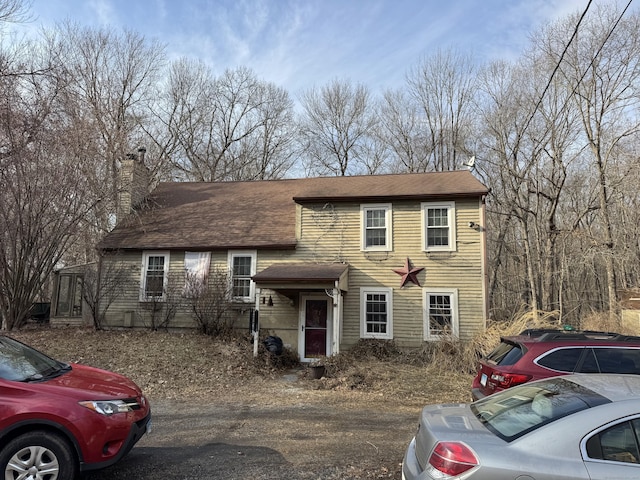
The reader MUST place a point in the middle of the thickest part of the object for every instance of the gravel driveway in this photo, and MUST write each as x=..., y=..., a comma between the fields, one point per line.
x=239, y=441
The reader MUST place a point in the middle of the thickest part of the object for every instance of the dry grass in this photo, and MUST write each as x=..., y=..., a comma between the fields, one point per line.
x=169, y=365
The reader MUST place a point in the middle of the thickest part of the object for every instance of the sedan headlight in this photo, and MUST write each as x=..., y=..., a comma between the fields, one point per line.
x=107, y=407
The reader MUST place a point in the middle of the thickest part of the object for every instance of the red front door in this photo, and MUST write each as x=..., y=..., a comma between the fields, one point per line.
x=315, y=328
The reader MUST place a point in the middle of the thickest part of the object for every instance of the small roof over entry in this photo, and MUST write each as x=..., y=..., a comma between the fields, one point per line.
x=297, y=276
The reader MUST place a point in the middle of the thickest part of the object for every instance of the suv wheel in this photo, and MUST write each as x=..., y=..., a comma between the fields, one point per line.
x=39, y=455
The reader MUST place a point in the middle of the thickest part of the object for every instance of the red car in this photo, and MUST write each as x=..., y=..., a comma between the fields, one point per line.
x=537, y=354
x=57, y=420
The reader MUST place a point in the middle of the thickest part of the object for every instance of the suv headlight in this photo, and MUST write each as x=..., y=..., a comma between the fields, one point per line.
x=107, y=407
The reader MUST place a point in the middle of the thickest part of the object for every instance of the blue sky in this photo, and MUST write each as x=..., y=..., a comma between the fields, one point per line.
x=297, y=44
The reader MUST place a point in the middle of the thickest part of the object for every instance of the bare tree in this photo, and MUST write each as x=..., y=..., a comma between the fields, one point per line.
x=234, y=127
x=507, y=165
x=211, y=305
x=603, y=69
x=17, y=11
x=443, y=86
x=110, y=81
x=401, y=129
x=43, y=186
x=336, y=126
x=103, y=285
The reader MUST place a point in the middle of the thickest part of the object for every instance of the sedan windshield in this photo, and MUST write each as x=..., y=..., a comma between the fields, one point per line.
x=520, y=410
x=21, y=363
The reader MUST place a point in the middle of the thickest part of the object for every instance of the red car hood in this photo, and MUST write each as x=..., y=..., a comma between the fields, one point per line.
x=89, y=382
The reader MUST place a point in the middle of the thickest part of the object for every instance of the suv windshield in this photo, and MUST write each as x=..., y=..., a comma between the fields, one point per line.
x=21, y=363
x=512, y=413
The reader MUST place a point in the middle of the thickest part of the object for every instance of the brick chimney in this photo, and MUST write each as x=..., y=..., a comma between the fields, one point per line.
x=134, y=183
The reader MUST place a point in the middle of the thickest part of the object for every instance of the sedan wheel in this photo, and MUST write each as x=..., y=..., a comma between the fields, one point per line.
x=38, y=456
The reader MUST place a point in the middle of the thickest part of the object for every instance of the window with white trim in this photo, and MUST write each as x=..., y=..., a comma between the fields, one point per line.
x=440, y=313
x=155, y=272
x=196, y=271
x=376, y=227
x=376, y=307
x=439, y=221
x=242, y=266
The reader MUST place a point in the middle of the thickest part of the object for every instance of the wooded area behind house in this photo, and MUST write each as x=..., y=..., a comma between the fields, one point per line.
x=555, y=135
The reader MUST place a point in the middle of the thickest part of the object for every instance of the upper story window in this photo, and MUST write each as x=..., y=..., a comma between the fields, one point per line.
x=439, y=226
x=242, y=266
x=376, y=227
x=376, y=309
x=155, y=272
x=440, y=313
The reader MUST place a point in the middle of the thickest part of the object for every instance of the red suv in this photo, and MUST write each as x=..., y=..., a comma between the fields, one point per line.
x=536, y=354
x=57, y=420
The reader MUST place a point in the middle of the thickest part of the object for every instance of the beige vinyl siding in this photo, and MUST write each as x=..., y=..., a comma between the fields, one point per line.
x=122, y=309
x=332, y=233
x=280, y=319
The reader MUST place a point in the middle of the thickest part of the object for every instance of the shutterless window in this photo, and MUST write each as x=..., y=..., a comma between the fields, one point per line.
x=242, y=267
x=376, y=220
x=154, y=275
x=439, y=228
x=441, y=313
x=376, y=313
x=241, y=276
x=376, y=305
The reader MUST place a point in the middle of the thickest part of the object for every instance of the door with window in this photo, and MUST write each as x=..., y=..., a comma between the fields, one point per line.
x=315, y=327
x=69, y=295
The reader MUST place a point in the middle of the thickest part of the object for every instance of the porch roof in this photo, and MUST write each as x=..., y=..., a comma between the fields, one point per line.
x=294, y=275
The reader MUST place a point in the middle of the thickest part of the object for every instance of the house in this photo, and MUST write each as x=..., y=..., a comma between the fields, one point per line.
x=630, y=308
x=324, y=261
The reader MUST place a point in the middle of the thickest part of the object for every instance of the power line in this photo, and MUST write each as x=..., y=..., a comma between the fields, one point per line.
x=557, y=67
x=584, y=74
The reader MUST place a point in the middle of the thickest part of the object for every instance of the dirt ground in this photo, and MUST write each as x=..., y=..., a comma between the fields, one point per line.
x=354, y=423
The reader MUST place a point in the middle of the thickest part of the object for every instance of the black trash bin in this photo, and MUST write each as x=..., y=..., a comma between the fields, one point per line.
x=273, y=345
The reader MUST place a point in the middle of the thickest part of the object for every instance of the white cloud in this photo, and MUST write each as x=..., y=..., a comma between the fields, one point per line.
x=299, y=43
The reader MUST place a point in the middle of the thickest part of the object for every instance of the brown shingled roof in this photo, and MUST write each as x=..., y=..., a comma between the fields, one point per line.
x=261, y=214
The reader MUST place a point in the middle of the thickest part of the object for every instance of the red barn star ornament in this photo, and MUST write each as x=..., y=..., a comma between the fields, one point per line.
x=409, y=273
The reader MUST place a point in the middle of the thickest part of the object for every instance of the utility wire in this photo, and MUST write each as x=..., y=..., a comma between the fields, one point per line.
x=600, y=49
x=557, y=67
x=584, y=74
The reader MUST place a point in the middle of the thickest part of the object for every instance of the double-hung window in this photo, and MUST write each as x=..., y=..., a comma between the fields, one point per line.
x=376, y=308
x=376, y=227
x=242, y=266
x=438, y=220
x=155, y=272
x=440, y=313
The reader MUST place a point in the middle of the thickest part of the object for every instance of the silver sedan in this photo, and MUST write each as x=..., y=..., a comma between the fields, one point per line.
x=569, y=427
